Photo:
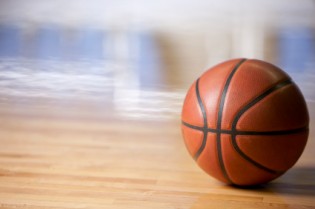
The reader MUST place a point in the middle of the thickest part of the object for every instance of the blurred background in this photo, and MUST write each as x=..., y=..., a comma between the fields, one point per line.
x=136, y=59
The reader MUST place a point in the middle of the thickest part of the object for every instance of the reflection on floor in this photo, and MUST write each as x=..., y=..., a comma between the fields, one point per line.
x=118, y=68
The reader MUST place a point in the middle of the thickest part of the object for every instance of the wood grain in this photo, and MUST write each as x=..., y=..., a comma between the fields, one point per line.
x=62, y=157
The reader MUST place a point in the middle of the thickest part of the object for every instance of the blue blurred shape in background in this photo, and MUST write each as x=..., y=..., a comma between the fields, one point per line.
x=47, y=43
x=89, y=44
x=10, y=41
x=148, y=60
x=296, y=48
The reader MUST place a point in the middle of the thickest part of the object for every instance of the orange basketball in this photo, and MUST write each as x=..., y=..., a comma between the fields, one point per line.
x=245, y=122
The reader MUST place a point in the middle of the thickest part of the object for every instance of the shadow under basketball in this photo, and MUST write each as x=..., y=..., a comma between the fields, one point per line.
x=297, y=181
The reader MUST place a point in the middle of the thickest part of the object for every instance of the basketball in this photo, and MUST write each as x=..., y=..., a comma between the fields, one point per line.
x=245, y=122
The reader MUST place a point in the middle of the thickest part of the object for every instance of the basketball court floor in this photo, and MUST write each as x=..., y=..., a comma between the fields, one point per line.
x=91, y=95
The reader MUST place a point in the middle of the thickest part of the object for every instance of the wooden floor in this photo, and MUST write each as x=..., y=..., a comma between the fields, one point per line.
x=65, y=152
x=79, y=129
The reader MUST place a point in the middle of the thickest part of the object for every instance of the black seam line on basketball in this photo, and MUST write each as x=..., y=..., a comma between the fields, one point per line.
x=249, y=133
x=199, y=128
x=220, y=112
x=205, y=123
x=242, y=111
